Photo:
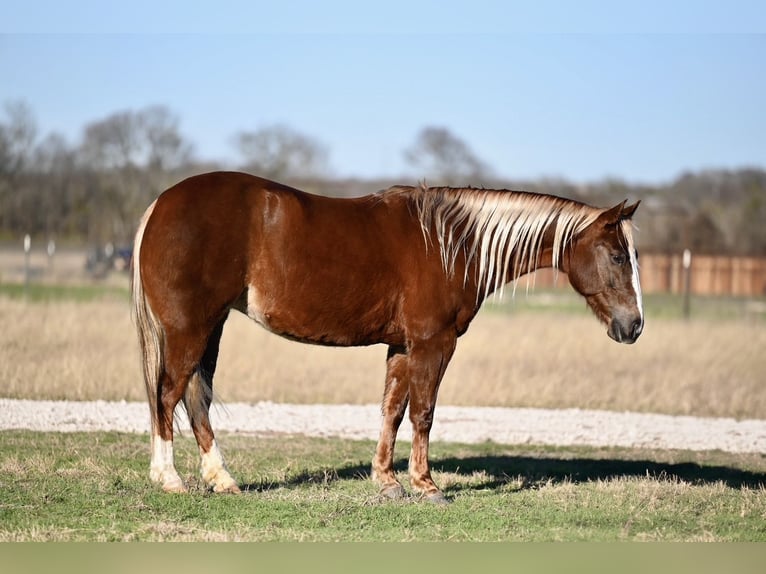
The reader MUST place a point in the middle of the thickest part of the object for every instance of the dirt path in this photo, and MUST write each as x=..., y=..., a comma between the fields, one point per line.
x=458, y=424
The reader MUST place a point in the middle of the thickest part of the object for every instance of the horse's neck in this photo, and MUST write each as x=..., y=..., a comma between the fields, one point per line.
x=522, y=260
x=544, y=259
x=498, y=235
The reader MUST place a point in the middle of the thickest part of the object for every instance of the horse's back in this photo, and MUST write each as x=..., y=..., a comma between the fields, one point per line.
x=215, y=195
x=305, y=266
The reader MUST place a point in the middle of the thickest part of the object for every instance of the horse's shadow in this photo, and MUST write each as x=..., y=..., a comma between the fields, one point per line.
x=524, y=472
x=493, y=472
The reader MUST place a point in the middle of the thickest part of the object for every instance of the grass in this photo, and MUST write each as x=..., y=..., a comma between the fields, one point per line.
x=511, y=356
x=93, y=487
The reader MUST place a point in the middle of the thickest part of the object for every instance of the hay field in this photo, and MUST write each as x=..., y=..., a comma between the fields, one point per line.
x=86, y=351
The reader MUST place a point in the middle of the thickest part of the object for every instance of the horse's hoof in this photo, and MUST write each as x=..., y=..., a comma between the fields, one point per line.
x=437, y=498
x=167, y=479
x=393, y=491
x=174, y=487
x=228, y=489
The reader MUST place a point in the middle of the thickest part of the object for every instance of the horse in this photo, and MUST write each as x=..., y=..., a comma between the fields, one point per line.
x=407, y=267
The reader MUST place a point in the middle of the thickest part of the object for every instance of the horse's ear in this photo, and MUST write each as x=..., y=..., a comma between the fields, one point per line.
x=612, y=216
x=627, y=212
x=618, y=213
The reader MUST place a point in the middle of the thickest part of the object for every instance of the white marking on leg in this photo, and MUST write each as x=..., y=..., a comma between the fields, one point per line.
x=162, y=468
x=214, y=471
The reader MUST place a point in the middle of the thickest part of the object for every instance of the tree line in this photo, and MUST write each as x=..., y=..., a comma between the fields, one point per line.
x=95, y=190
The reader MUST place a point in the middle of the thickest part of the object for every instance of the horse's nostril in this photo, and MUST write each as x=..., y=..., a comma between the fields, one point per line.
x=636, y=328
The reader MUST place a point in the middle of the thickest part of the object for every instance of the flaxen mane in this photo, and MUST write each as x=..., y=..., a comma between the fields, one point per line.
x=499, y=229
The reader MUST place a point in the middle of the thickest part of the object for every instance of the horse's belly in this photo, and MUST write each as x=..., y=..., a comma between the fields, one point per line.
x=314, y=319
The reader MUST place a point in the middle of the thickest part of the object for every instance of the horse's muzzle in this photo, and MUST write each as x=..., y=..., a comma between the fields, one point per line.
x=625, y=331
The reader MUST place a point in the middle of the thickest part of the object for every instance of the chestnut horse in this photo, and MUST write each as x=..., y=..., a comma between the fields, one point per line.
x=408, y=267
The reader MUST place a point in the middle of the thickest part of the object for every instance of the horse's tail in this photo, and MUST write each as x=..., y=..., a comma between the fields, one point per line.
x=151, y=336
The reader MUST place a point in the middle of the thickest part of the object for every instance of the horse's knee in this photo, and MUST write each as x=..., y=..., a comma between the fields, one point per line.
x=422, y=419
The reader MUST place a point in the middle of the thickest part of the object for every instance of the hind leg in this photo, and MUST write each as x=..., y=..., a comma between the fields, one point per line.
x=182, y=353
x=197, y=399
x=162, y=468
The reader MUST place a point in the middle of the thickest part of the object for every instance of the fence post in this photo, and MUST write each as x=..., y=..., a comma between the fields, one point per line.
x=687, y=264
x=27, y=262
x=51, y=253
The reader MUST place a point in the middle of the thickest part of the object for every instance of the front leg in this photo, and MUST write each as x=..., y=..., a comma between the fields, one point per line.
x=428, y=361
x=395, y=397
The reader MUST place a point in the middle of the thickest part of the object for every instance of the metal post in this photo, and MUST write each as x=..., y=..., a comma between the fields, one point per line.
x=27, y=270
x=51, y=253
x=687, y=263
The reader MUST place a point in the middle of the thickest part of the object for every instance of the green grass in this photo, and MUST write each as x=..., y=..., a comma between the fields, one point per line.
x=45, y=293
x=94, y=487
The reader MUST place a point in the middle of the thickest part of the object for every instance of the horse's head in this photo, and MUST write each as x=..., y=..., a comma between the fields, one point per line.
x=603, y=268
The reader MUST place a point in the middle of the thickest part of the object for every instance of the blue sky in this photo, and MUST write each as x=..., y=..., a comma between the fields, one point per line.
x=639, y=94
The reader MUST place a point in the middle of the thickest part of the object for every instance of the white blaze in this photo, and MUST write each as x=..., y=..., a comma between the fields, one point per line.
x=636, y=284
x=626, y=226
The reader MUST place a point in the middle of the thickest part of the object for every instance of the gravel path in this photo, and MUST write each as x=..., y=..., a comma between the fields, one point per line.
x=458, y=424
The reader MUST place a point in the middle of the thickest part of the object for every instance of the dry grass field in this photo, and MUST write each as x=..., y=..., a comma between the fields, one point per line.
x=88, y=350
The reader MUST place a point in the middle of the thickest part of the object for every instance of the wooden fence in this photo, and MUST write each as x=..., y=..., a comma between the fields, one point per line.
x=709, y=275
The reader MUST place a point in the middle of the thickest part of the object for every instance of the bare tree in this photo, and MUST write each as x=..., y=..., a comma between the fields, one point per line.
x=110, y=154
x=111, y=143
x=279, y=152
x=55, y=181
x=130, y=155
x=440, y=155
x=17, y=136
x=166, y=148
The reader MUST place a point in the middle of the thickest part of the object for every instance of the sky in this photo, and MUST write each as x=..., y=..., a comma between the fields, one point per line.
x=639, y=91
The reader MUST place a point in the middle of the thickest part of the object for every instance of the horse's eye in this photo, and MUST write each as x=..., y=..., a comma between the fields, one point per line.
x=618, y=258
